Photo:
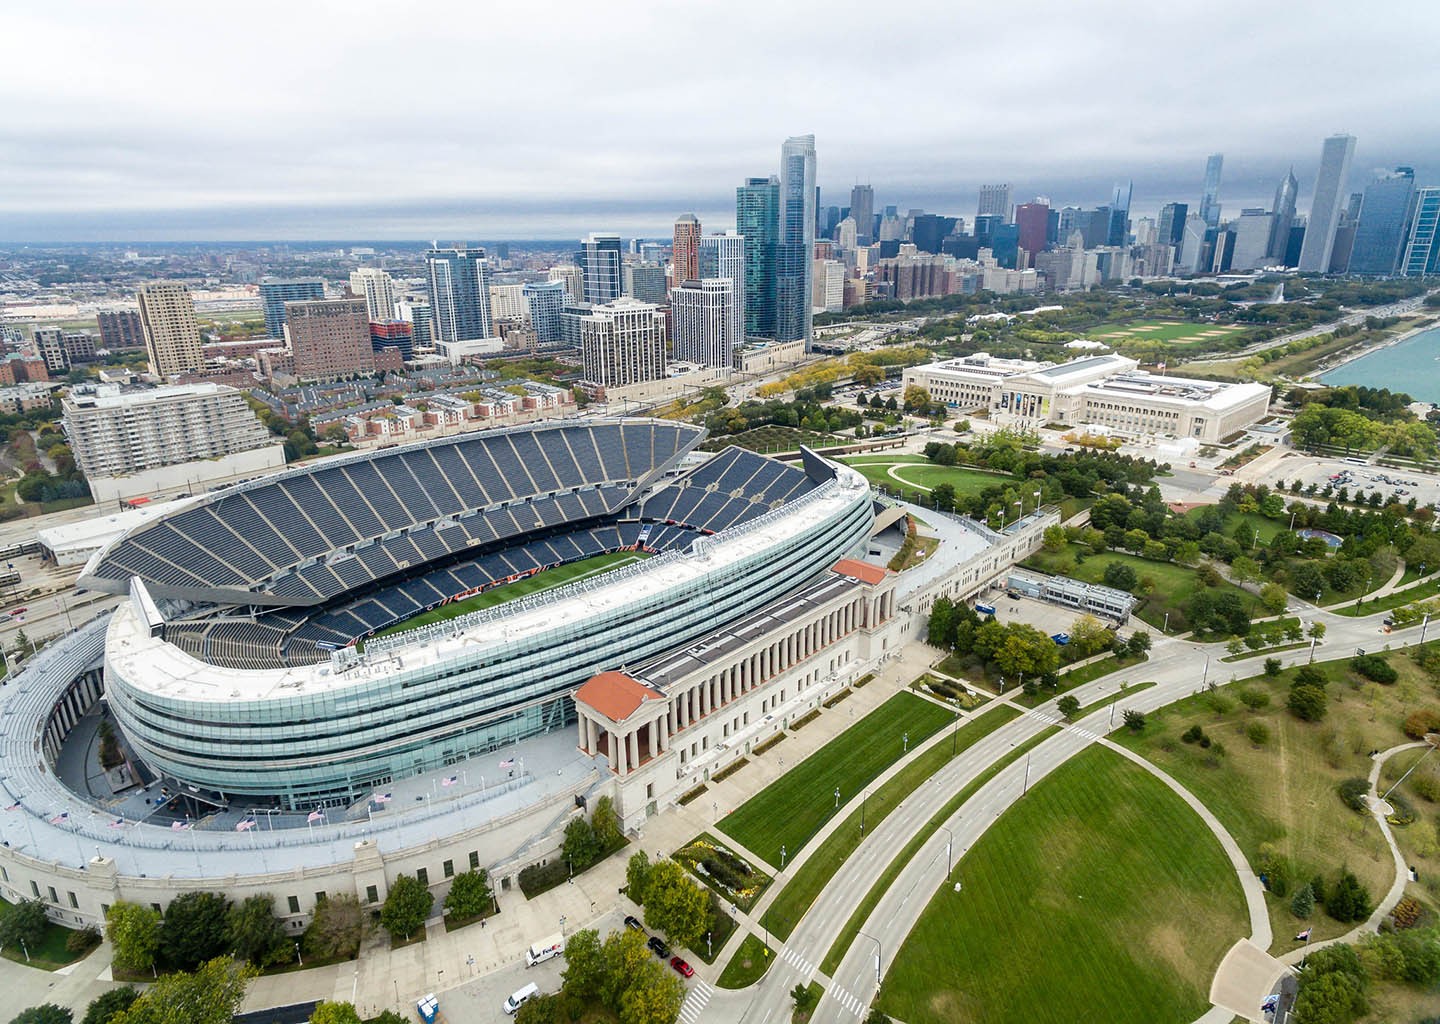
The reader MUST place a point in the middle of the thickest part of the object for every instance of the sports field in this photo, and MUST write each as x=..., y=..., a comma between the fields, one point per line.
x=1168, y=331
x=789, y=811
x=546, y=580
x=1100, y=896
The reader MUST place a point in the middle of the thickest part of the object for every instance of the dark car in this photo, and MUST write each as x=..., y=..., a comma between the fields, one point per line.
x=631, y=922
x=658, y=947
x=682, y=968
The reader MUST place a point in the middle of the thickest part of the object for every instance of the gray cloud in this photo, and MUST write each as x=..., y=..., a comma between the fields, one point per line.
x=362, y=119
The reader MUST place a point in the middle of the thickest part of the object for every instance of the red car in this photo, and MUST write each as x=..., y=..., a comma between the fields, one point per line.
x=682, y=968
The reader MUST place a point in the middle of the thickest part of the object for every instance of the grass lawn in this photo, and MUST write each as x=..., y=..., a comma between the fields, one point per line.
x=50, y=953
x=1265, y=529
x=1283, y=793
x=1169, y=331
x=748, y=965
x=789, y=811
x=1392, y=600
x=1172, y=585
x=546, y=580
x=785, y=912
x=919, y=473
x=1101, y=889
x=1079, y=677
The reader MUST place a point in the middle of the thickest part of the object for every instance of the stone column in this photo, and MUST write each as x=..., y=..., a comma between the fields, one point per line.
x=612, y=752
x=654, y=737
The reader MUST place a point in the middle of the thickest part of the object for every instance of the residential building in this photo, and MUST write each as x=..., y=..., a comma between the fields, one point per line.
x=330, y=339
x=459, y=282
x=723, y=255
x=703, y=327
x=276, y=291
x=172, y=337
x=795, y=252
x=50, y=344
x=994, y=201
x=623, y=342
x=862, y=212
x=120, y=329
x=81, y=347
x=421, y=318
x=573, y=278
x=685, y=250
x=646, y=282
x=545, y=300
x=1383, y=228
x=1210, y=194
x=396, y=334
x=1335, y=157
x=829, y=286
x=757, y=216
x=599, y=261
x=507, y=304
x=377, y=288
x=1422, y=249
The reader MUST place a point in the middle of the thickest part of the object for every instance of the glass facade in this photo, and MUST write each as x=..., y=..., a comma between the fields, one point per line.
x=459, y=294
x=757, y=216
x=274, y=293
x=1384, y=217
x=1422, y=254
x=795, y=253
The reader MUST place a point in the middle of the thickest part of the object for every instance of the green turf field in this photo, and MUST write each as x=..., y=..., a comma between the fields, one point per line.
x=547, y=580
x=917, y=472
x=1202, y=335
x=788, y=812
x=1100, y=896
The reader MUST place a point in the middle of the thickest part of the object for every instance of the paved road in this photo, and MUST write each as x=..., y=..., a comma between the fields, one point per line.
x=1400, y=308
x=1177, y=667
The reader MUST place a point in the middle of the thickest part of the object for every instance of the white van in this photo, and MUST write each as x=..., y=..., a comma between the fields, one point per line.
x=543, y=950
x=520, y=997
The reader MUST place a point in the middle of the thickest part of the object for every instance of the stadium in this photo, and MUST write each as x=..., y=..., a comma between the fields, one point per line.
x=305, y=638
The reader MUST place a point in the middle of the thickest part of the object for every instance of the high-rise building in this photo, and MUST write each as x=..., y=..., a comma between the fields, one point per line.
x=330, y=339
x=421, y=317
x=1171, y=229
x=50, y=345
x=685, y=249
x=120, y=329
x=1005, y=246
x=1033, y=220
x=847, y=234
x=1195, y=246
x=1252, y=231
x=862, y=211
x=396, y=334
x=994, y=201
x=276, y=291
x=1422, y=249
x=1210, y=194
x=599, y=261
x=459, y=282
x=623, y=342
x=507, y=303
x=795, y=253
x=1118, y=230
x=757, y=217
x=573, y=277
x=377, y=288
x=703, y=328
x=646, y=282
x=929, y=231
x=545, y=300
x=1284, y=210
x=723, y=255
x=829, y=285
x=1335, y=157
x=172, y=337
x=1383, y=229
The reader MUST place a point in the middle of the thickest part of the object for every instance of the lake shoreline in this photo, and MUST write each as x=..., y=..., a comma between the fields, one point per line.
x=1397, y=371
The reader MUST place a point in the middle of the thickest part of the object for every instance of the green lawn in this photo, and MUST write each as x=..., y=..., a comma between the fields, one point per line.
x=802, y=890
x=1165, y=330
x=789, y=811
x=1265, y=529
x=50, y=954
x=918, y=472
x=1173, y=585
x=546, y=580
x=748, y=965
x=1392, y=600
x=1101, y=889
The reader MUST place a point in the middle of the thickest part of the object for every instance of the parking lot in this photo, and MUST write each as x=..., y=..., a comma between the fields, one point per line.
x=1401, y=484
x=1044, y=616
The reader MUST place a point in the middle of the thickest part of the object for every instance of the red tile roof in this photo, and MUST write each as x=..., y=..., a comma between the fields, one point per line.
x=616, y=695
x=865, y=572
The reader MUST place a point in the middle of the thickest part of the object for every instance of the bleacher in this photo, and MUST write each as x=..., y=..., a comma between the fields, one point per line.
x=734, y=487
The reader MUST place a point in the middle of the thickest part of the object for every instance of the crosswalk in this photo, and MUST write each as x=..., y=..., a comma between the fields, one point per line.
x=1051, y=718
x=797, y=961
x=695, y=1001
x=852, y=1003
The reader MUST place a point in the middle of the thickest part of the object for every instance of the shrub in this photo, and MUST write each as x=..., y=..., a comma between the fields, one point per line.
x=1406, y=913
x=1353, y=793
x=1307, y=703
x=1350, y=900
x=1255, y=699
x=1317, y=886
x=1258, y=733
x=1194, y=734
x=1426, y=786
x=1272, y=668
x=1401, y=811
x=1134, y=720
x=1218, y=703
x=1418, y=723
x=1372, y=666
x=82, y=941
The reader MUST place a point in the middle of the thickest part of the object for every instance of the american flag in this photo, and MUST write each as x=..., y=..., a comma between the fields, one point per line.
x=380, y=798
x=245, y=825
x=180, y=826
x=314, y=816
x=14, y=807
x=59, y=818
x=1303, y=936
x=452, y=780
x=118, y=823
x=509, y=762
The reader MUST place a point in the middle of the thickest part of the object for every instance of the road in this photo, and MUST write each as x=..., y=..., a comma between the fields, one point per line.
x=848, y=994
x=1401, y=308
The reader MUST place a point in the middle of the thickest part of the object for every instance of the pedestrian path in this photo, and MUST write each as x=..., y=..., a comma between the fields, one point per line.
x=695, y=1002
x=852, y=1003
x=1055, y=718
x=797, y=961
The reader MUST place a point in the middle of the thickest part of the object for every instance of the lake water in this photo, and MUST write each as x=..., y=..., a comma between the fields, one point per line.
x=1413, y=366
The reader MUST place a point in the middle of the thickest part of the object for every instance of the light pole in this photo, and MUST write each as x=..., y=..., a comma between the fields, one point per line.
x=949, y=845
x=905, y=749
x=1026, y=788
x=837, y=798
x=1166, y=628
x=1416, y=764
x=1206, y=675
x=562, y=926
x=879, y=952
x=297, y=955
x=1423, y=627
x=782, y=856
x=955, y=732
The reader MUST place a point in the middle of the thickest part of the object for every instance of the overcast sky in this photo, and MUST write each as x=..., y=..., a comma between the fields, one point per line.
x=485, y=120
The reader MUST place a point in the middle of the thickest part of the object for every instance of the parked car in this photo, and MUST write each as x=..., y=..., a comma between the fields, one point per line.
x=682, y=968
x=633, y=922
x=658, y=947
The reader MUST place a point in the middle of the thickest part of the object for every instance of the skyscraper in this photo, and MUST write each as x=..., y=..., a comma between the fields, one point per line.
x=1253, y=230
x=862, y=210
x=646, y=282
x=573, y=278
x=1383, y=230
x=994, y=201
x=1171, y=228
x=377, y=288
x=1210, y=196
x=1118, y=231
x=545, y=300
x=623, y=342
x=723, y=255
x=459, y=293
x=1335, y=156
x=702, y=321
x=1033, y=221
x=757, y=216
x=685, y=252
x=599, y=261
x=276, y=291
x=1284, y=210
x=795, y=253
x=1422, y=250
x=330, y=339
x=172, y=337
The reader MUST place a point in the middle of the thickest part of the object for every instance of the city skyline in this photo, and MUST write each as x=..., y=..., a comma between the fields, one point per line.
x=112, y=152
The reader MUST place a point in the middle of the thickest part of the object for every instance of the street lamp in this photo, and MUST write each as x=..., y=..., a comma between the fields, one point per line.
x=949, y=845
x=906, y=748
x=297, y=955
x=955, y=732
x=782, y=856
x=837, y=798
x=879, y=952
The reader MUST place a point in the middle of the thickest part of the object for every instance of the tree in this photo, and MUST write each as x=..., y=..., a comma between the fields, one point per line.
x=584, y=964
x=45, y=1013
x=1138, y=644
x=25, y=923
x=606, y=823
x=1273, y=667
x=1134, y=720
x=674, y=904
x=1302, y=905
x=254, y=933
x=134, y=931
x=1348, y=900
x=1274, y=598
x=194, y=929
x=1088, y=635
x=1246, y=569
x=580, y=847
x=917, y=398
x=336, y=929
x=407, y=905
x=1307, y=703
x=877, y=1017
x=654, y=996
x=637, y=876
x=1328, y=999
x=1317, y=630
x=625, y=956
x=469, y=894
x=1053, y=539
x=211, y=995
x=804, y=998
x=106, y=1006
x=1068, y=705
x=335, y=1013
